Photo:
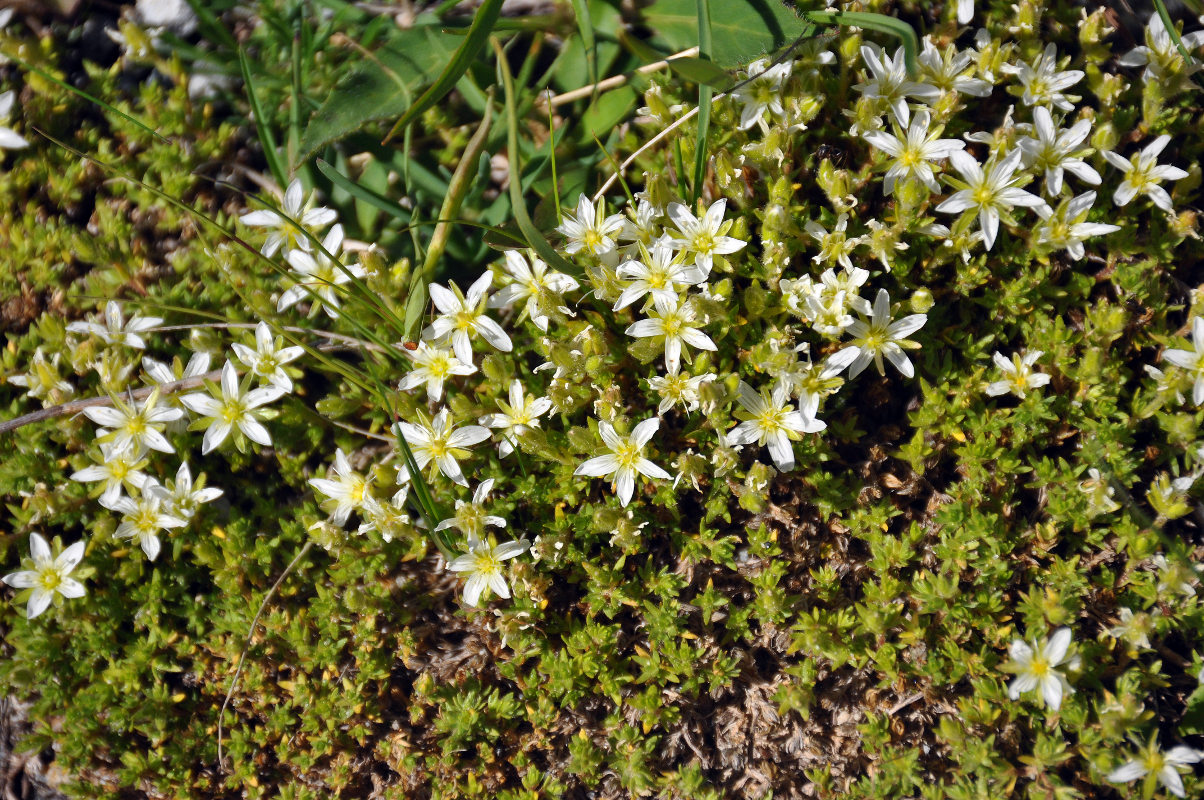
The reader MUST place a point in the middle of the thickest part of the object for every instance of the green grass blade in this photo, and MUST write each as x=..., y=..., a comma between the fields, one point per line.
x=468, y=51
x=704, y=99
x=262, y=129
x=585, y=26
x=1172, y=31
x=534, y=238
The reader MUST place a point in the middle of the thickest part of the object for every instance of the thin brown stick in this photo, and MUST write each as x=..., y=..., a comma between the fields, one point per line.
x=609, y=83
x=247, y=645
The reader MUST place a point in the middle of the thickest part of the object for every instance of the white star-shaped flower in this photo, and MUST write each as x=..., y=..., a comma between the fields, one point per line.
x=679, y=388
x=705, y=238
x=49, y=575
x=144, y=518
x=470, y=518
x=483, y=564
x=673, y=322
x=183, y=497
x=320, y=274
x=135, y=426
x=879, y=336
x=889, y=81
x=118, y=468
x=661, y=274
x=1165, y=767
x=1036, y=665
x=1066, y=228
x=433, y=366
x=288, y=229
x=992, y=194
x=911, y=153
x=1054, y=151
x=229, y=406
x=626, y=458
x=534, y=283
x=1143, y=173
x=463, y=317
x=267, y=360
x=1191, y=360
x=1018, y=374
x=440, y=442
x=591, y=231
x=349, y=490
x=952, y=70
x=770, y=420
x=761, y=93
x=1043, y=82
x=115, y=329
x=516, y=417
x=1159, y=55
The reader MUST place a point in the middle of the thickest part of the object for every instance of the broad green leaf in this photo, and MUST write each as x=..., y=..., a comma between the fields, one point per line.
x=383, y=87
x=741, y=30
x=608, y=111
x=363, y=193
x=705, y=45
x=702, y=71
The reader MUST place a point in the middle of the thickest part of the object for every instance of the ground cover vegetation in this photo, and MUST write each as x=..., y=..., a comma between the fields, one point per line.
x=462, y=402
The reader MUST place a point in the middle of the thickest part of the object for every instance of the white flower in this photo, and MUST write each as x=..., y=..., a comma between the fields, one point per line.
x=679, y=388
x=761, y=93
x=115, y=329
x=951, y=70
x=991, y=194
x=144, y=518
x=183, y=498
x=118, y=468
x=1175, y=575
x=706, y=237
x=912, y=153
x=1133, y=628
x=626, y=458
x=442, y=443
x=462, y=317
x=1018, y=374
x=1054, y=151
x=320, y=274
x=516, y=417
x=534, y=283
x=889, y=81
x=1160, y=56
x=591, y=230
x=43, y=380
x=228, y=406
x=289, y=228
x=834, y=246
x=349, y=491
x=661, y=274
x=965, y=11
x=483, y=563
x=470, y=518
x=9, y=139
x=1143, y=173
x=1043, y=82
x=1035, y=667
x=640, y=226
x=770, y=420
x=1191, y=361
x=433, y=366
x=881, y=337
x=1067, y=227
x=1163, y=766
x=387, y=518
x=267, y=360
x=813, y=382
x=1099, y=492
x=198, y=364
x=674, y=322
x=48, y=576
x=135, y=426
